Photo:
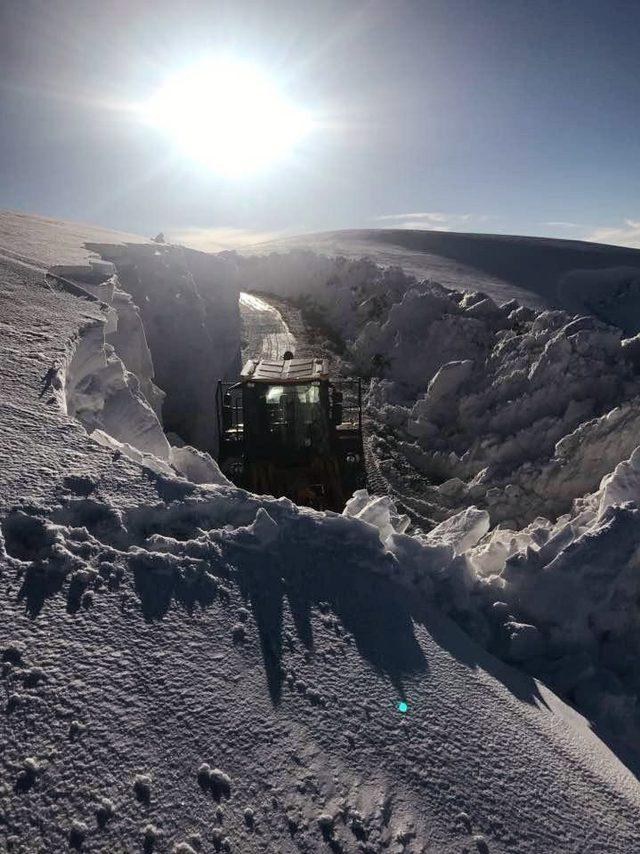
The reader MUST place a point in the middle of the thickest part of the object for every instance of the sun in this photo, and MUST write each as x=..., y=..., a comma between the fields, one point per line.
x=227, y=115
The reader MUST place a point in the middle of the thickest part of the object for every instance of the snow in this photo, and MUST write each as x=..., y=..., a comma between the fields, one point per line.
x=515, y=416
x=612, y=294
x=197, y=466
x=106, y=379
x=266, y=334
x=378, y=511
x=102, y=394
x=560, y=598
x=462, y=531
x=537, y=272
x=44, y=242
x=576, y=581
x=137, y=712
x=188, y=303
x=519, y=410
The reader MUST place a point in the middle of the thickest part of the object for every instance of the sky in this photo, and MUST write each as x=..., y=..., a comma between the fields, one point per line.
x=507, y=116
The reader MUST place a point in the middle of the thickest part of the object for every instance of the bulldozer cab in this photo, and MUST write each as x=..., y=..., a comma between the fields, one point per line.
x=285, y=430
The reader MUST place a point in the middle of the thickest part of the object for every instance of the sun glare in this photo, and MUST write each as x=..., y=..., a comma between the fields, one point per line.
x=228, y=116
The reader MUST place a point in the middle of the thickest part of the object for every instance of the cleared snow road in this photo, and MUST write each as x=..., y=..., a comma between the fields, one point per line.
x=265, y=335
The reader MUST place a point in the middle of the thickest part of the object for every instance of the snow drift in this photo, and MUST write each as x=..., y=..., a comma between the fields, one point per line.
x=188, y=302
x=559, y=598
x=106, y=379
x=531, y=270
x=177, y=672
x=516, y=410
x=525, y=426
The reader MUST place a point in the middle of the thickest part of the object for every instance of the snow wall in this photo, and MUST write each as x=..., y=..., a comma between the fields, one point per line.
x=502, y=407
x=108, y=379
x=525, y=427
x=188, y=303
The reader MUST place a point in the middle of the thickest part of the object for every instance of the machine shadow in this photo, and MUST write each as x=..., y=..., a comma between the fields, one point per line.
x=371, y=609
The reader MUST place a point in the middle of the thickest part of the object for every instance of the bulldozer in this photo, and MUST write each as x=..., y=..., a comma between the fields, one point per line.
x=287, y=429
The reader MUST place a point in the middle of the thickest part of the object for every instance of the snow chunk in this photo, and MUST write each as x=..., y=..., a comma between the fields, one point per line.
x=103, y=395
x=197, y=466
x=149, y=461
x=449, y=379
x=462, y=531
x=264, y=529
x=378, y=511
x=623, y=484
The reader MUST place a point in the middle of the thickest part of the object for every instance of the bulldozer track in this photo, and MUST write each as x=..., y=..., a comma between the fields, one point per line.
x=376, y=481
x=420, y=512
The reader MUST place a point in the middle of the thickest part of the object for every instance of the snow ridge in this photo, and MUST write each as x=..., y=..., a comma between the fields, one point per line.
x=525, y=425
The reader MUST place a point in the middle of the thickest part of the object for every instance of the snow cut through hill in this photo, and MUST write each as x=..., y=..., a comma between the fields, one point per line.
x=194, y=668
x=510, y=418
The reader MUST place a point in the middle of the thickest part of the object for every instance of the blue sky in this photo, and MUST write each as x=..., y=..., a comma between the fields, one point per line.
x=471, y=115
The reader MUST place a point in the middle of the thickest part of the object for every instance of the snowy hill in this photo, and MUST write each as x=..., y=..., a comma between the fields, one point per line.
x=44, y=242
x=187, y=667
x=538, y=272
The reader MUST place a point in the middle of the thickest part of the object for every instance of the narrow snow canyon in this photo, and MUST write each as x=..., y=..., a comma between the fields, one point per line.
x=446, y=666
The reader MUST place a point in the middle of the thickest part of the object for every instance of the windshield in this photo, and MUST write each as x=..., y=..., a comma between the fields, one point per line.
x=290, y=417
x=301, y=394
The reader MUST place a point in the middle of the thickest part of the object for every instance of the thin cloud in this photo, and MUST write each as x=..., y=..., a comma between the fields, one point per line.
x=432, y=220
x=562, y=224
x=624, y=235
x=220, y=238
x=432, y=216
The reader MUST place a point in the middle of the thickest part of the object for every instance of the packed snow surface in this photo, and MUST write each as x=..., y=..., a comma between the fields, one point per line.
x=194, y=668
x=45, y=242
x=265, y=332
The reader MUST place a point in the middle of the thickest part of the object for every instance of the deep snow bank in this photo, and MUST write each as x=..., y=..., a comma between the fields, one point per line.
x=260, y=683
x=188, y=302
x=612, y=294
x=558, y=598
x=345, y=293
x=106, y=379
x=517, y=411
x=528, y=269
x=513, y=418
x=577, y=582
x=177, y=671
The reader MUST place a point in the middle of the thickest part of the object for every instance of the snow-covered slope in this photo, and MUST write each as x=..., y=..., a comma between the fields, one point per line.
x=45, y=242
x=195, y=668
x=538, y=272
x=500, y=423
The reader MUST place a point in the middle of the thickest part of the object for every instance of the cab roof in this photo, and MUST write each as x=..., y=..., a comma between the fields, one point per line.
x=285, y=370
